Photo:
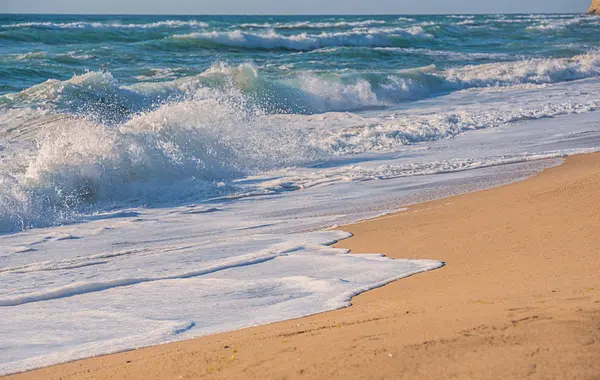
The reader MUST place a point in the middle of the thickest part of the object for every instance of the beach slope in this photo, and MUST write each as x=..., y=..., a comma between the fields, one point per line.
x=519, y=298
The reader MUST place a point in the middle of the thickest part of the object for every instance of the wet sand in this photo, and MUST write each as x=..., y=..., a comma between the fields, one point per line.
x=519, y=298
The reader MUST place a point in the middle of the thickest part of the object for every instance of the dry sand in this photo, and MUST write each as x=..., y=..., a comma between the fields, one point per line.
x=519, y=298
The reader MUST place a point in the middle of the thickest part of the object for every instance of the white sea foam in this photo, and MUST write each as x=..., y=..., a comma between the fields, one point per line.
x=133, y=272
x=264, y=285
x=273, y=40
x=195, y=146
x=450, y=55
x=114, y=25
x=212, y=197
x=416, y=31
x=154, y=142
x=31, y=55
x=427, y=81
x=312, y=25
x=527, y=71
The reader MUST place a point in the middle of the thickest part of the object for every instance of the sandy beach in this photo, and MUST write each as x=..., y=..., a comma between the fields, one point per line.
x=519, y=297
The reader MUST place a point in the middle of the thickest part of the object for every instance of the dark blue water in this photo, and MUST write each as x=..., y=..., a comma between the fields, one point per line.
x=34, y=48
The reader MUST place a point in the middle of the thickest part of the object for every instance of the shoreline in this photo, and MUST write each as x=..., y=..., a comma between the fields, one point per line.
x=508, y=303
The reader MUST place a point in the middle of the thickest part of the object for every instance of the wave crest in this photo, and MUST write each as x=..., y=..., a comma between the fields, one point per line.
x=300, y=42
x=312, y=25
x=98, y=94
x=102, y=25
x=94, y=143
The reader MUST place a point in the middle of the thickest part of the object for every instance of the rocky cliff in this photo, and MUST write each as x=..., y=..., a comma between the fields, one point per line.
x=594, y=8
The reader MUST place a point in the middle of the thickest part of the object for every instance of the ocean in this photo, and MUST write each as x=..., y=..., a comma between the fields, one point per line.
x=167, y=177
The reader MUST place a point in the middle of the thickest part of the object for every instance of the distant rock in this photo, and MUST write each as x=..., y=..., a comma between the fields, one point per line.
x=594, y=8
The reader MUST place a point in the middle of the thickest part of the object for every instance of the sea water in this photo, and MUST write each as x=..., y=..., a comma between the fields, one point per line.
x=163, y=178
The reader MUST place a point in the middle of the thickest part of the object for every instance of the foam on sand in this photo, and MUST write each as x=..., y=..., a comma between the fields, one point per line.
x=227, y=293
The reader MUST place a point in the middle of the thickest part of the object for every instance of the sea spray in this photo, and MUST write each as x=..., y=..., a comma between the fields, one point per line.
x=203, y=118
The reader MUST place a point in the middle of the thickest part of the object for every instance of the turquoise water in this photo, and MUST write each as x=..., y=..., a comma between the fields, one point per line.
x=160, y=48
x=106, y=112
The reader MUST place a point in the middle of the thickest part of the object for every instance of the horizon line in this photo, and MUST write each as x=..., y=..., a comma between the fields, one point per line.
x=290, y=14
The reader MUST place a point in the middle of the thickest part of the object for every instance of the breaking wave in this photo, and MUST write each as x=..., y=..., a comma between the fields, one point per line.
x=103, y=25
x=90, y=143
x=312, y=25
x=99, y=95
x=301, y=42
